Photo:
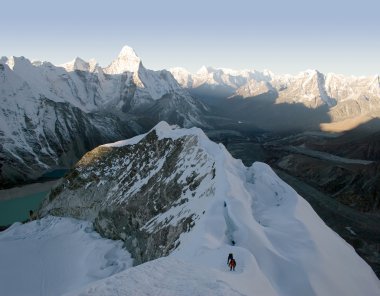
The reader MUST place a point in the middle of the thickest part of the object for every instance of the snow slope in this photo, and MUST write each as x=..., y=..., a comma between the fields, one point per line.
x=56, y=255
x=280, y=244
x=166, y=277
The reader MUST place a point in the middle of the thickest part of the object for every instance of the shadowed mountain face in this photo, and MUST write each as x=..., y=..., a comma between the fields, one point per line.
x=51, y=135
x=363, y=142
x=263, y=112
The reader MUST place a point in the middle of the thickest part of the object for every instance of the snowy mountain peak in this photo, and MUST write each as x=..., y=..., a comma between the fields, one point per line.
x=76, y=64
x=80, y=65
x=128, y=52
x=205, y=70
x=127, y=61
x=13, y=62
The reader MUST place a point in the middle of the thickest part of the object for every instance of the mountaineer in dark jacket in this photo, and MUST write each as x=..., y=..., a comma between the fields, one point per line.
x=230, y=256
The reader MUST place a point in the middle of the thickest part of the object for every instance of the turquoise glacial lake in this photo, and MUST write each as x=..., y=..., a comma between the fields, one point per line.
x=17, y=209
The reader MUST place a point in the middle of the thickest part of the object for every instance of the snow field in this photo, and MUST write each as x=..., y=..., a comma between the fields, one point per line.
x=54, y=255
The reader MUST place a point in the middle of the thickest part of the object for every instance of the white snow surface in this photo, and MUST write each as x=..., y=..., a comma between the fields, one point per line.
x=280, y=244
x=55, y=255
x=127, y=61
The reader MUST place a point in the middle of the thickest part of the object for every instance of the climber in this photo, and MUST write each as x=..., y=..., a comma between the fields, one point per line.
x=232, y=264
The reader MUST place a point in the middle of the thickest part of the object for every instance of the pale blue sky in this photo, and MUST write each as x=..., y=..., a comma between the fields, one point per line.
x=283, y=36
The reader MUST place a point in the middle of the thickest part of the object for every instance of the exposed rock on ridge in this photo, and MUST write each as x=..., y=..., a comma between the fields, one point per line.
x=124, y=190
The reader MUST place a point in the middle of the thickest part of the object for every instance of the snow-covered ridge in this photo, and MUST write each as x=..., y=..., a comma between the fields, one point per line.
x=174, y=192
x=163, y=130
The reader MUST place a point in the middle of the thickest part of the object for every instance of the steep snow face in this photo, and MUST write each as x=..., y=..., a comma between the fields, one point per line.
x=127, y=61
x=174, y=192
x=307, y=87
x=183, y=77
x=81, y=65
x=54, y=255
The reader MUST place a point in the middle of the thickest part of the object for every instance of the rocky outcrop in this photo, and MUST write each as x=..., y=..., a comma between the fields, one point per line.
x=138, y=193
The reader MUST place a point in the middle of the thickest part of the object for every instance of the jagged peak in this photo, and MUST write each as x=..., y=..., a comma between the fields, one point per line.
x=128, y=52
x=76, y=64
x=80, y=63
x=126, y=61
x=12, y=61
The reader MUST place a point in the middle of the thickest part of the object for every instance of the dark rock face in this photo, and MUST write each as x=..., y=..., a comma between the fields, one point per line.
x=353, y=185
x=57, y=136
x=138, y=193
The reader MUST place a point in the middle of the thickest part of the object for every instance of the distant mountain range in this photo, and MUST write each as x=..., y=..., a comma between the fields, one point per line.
x=283, y=102
x=51, y=115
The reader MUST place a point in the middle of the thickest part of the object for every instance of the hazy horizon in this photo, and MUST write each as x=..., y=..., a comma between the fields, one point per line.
x=283, y=37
